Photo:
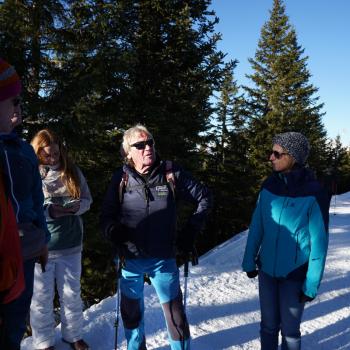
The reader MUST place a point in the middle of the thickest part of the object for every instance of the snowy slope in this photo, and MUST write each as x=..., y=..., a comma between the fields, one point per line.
x=223, y=307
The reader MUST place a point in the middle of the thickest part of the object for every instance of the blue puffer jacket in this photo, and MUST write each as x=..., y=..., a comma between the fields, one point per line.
x=289, y=228
x=20, y=166
x=148, y=209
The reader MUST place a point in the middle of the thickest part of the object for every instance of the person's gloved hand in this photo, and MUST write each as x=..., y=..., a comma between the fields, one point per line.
x=43, y=258
x=185, y=240
x=303, y=298
x=130, y=248
x=118, y=234
x=252, y=274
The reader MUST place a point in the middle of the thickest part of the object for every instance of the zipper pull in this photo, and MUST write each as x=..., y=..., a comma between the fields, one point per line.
x=146, y=193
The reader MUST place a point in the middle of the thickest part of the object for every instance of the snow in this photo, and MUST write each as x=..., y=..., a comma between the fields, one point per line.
x=223, y=306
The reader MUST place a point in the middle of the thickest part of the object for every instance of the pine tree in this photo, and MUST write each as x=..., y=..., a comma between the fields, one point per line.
x=29, y=30
x=337, y=175
x=227, y=167
x=282, y=97
x=344, y=173
x=173, y=70
x=67, y=55
x=93, y=68
x=91, y=78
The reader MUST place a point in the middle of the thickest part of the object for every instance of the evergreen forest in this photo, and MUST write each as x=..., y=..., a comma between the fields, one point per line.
x=93, y=68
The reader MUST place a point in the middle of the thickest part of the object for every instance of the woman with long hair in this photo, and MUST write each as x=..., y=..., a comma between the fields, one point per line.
x=67, y=196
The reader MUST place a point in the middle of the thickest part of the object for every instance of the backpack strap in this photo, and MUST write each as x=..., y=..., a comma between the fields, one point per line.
x=122, y=186
x=169, y=175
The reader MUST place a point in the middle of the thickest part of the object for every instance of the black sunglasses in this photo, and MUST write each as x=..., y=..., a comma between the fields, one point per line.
x=278, y=155
x=142, y=144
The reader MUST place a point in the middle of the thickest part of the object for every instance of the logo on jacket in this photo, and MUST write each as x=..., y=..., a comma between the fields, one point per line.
x=162, y=190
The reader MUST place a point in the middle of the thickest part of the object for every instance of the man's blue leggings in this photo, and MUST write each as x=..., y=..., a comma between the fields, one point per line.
x=164, y=276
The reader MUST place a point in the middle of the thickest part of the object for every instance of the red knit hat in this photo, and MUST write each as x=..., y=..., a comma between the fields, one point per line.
x=10, y=83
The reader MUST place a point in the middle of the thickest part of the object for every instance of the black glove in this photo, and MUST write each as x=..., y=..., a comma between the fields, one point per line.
x=252, y=274
x=118, y=234
x=185, y=240
x=303, y=298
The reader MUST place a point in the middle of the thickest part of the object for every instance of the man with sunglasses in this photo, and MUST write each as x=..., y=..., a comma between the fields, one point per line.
x=287, y=241
x=139, y=217
x=19, y=165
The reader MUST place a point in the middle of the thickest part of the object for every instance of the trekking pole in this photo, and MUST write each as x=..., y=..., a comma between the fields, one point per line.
x=185, y=283
x=194, y=261
x=334, y=193
x=335, y=197
x=185, y=298
x=118, y=264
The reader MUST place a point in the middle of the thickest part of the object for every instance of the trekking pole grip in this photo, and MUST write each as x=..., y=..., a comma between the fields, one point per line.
x=194, y=257
x=186, y=268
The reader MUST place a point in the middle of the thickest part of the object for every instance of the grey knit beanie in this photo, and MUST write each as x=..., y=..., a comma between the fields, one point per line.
x=295, y=143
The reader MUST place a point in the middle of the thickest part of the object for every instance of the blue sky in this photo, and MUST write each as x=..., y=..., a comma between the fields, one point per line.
x=323, y=30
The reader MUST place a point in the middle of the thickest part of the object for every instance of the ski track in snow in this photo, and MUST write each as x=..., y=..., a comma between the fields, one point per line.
x=223, y=306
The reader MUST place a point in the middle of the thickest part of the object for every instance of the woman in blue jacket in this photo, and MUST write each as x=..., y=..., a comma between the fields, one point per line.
x=139, y=217
x=287, y=241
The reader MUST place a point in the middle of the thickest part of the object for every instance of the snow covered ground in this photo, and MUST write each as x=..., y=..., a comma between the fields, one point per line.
x=222, y=305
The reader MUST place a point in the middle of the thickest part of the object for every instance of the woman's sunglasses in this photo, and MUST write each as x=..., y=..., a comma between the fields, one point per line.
x=142, y=144
x=278, y=155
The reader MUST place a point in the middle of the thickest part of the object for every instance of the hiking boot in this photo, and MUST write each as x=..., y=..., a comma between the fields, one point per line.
x=78, y=345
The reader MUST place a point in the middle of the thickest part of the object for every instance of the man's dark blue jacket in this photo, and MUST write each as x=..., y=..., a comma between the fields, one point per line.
x=148, y=208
